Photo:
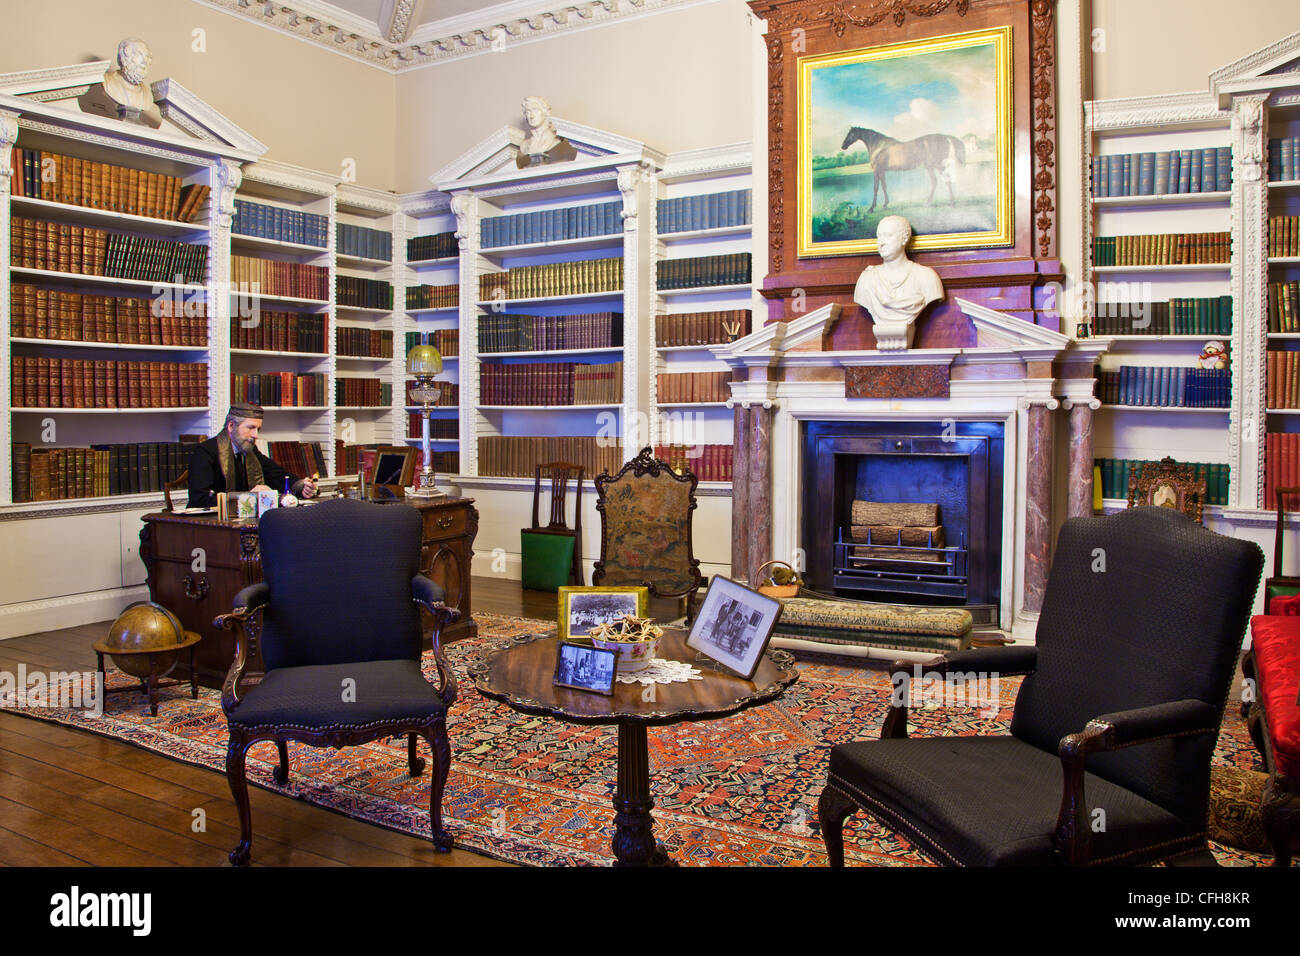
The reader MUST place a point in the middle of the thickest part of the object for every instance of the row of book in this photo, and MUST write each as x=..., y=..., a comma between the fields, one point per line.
x=584, y=277
x=365, y=392
x=64, y=247
x=1165, y=386
x=1283, y=157
x=730, y=269
x=1207, y=170
x=44, y=382
x=439, y=428
x=441, y=245
x=705, y=462
x=297, y=280
x=363, y=293
x=678, y=387
x=551, y=383
x=448, y=395
x=1163, y=249
x=279, y=389
x=517, y=456
x=277, y=331
x=85, y=182
x=363, y=242
x=432, y=296
x=305, y=459
x=1282, y=379
x=1284, y=306
x=1115, y=473
x=364, y=343
x=1205, y=315
x=713, y=211
x=552, y=225
x=55, y=474
x=1281, y=468
x=544, y=333
x=41, y=313
x=1283, y=236
x=446, y=341
x=701, y=328
x=262, y=221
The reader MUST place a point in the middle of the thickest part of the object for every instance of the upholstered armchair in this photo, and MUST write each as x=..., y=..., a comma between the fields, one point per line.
x=646, y=512
x=1108, y=759
x=337, y=620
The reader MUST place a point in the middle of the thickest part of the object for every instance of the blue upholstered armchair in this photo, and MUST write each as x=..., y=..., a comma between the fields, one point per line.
x=337, y=620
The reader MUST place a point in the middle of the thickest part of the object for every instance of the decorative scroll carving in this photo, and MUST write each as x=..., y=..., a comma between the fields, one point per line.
x=1043, y=84
x=229, y=176
x=8, y=135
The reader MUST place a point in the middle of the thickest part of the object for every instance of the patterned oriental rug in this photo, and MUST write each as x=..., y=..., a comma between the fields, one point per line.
x=740, y=791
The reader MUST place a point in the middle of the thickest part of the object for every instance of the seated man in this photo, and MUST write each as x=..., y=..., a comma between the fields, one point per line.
x=231, y=462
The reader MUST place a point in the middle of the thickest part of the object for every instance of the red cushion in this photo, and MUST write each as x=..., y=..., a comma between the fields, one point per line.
x=1287, y=605
x=1276, y=645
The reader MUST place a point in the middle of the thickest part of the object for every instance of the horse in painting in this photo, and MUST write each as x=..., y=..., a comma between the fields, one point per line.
x=935, y=152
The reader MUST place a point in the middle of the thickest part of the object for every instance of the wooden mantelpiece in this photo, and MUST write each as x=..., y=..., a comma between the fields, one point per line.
x=1010, y=279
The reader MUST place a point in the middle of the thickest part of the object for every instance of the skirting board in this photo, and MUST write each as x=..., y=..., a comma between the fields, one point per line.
x=72, y=610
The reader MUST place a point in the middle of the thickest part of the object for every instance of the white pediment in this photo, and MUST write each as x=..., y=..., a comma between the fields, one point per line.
x=494, y=157
x=1275, y=65
x=997, y=330
x=52, y=96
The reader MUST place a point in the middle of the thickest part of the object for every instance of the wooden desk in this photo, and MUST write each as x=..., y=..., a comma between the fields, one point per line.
x=196, y=587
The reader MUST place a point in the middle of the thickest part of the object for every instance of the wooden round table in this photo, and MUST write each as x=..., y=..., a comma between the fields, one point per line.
x=521, y=676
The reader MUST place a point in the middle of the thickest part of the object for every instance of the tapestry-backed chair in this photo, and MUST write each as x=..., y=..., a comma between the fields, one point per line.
x=558, y=475
x=1168, y=485
x=337, y=619
x=1123, y=695
x=646, y=511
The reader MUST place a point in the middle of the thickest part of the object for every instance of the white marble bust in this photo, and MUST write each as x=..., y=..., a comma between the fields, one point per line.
x=542, y=143
x=896, y=291
x=124, y=92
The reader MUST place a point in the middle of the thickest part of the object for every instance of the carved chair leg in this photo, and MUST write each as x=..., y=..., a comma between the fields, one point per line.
x=1280, y=810
x=413, y=759
x=833, y=808
x=235, y=754
x=281, y=773
x=436, y=734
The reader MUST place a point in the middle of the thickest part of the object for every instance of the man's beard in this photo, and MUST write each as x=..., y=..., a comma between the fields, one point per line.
x=242, y=445
x=134, y=73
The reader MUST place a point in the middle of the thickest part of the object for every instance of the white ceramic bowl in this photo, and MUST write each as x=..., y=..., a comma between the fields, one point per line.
x=633, y=656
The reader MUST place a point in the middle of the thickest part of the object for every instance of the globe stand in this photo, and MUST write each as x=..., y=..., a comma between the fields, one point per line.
x=153, y=681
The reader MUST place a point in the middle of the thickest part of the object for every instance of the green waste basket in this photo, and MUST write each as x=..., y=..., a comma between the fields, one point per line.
x=547, y=560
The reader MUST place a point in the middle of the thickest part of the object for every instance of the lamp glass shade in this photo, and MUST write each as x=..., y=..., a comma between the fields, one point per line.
x=423, y=360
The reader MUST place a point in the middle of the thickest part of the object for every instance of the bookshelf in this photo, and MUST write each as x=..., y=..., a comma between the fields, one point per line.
x=431, y=305
x=1282, y=298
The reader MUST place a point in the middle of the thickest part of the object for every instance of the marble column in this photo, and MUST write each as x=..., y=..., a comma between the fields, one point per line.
x=1081, y=457
x=740, y=495
x=1038, y=502
x=758, y=513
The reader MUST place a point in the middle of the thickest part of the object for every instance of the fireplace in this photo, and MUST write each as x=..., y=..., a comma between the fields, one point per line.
x=949, y=469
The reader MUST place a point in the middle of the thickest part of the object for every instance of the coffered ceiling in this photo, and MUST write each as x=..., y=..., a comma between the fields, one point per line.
x=399, y=35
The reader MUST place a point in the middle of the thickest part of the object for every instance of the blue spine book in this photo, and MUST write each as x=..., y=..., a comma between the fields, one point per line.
x=1185, y=171
x=1161, y=185
x=1180, y=386
x=1165, y=371
x=1194, y=165
x=1208, y=166
x=1114, y=175
x=1175, y=164
x=1097, y=182
x=1286, y=158
x=1130, y=175
x=1146, y=174
x=1124, y=386
x=1223, y=168
x=1148, y=385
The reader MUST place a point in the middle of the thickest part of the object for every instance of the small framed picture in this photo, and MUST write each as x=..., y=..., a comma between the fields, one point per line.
x=585, y=668
x=581, y=609
x=266, y=500
x=734, y=625
x=245, y=504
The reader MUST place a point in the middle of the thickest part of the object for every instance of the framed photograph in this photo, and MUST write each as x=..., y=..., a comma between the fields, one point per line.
x=921, y=129
x=581, y=609
x=734, y=625
x=585, y=668
x=394, y=468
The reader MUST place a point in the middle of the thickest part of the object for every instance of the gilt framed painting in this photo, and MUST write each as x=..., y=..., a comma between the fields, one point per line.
x=921, y=129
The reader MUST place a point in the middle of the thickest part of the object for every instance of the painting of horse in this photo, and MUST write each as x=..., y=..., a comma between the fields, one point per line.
x=937, y=153
x=929, y=137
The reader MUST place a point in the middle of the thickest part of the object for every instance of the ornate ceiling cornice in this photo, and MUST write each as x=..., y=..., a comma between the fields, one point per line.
x=399, y=49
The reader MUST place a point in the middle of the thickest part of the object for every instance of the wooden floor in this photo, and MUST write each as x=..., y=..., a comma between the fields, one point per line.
x=71, y=798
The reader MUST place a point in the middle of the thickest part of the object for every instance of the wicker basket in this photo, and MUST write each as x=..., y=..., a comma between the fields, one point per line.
x=771, y=588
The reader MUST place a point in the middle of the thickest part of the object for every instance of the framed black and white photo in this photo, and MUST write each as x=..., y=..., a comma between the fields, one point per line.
x=581, y=609
x=585, y=668
x=734, y=625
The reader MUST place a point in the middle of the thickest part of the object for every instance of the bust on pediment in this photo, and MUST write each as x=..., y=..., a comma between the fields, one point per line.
x=541, y=143
x=896, y=291
x=124, y=93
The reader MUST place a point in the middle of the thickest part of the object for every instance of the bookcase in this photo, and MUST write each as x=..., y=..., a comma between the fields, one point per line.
x=430, y=256
x=1282, y=297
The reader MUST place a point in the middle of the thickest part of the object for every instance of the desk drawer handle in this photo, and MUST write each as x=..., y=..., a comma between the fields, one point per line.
x=195, y=593
x=444, y=522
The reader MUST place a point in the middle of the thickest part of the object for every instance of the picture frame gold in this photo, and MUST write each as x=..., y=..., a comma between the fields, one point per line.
x=579, y=608
x=905, y=106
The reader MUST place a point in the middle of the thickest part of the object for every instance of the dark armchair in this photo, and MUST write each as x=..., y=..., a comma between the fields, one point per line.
x=337, y=619
x=1108, y=759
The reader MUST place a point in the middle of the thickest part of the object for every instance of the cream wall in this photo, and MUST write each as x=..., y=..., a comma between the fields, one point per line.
x=310, y=106
x=678, y=80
